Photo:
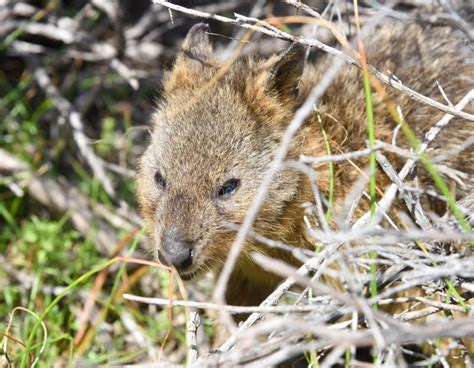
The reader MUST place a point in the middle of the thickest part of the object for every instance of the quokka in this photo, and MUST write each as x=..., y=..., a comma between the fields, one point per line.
x=215, y=135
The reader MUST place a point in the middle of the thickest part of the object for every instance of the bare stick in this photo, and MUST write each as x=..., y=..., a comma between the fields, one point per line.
x=234, y=309
x=299, y=5
x=341, y=157
x=412, y=204
x=192, y=327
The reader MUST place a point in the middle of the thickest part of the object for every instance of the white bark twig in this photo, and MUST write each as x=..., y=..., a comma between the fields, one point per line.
x=234, y=309
x=192, y=326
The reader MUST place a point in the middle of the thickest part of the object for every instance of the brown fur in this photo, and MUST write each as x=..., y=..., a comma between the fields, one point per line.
x=213, y=125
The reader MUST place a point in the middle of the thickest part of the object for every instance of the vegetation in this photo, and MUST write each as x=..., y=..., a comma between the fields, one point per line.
x=78, y=81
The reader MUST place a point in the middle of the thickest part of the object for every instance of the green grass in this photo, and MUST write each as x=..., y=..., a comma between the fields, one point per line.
x=46, y=248
x=372, y=171
x=372, y=183
x=34, y=247
x=43, y=246
x=54, y=302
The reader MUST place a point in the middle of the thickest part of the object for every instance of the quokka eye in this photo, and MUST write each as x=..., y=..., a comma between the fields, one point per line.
x=160, y=180
x=228, y=189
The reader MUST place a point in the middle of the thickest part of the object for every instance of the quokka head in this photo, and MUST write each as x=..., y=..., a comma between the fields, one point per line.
x=215, y=133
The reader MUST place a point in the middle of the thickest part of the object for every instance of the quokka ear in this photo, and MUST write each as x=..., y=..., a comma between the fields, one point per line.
x=196, y=49
x=286, y=72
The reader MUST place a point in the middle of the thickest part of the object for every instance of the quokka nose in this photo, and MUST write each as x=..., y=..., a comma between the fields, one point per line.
x=176, y=250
